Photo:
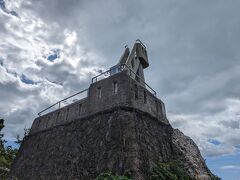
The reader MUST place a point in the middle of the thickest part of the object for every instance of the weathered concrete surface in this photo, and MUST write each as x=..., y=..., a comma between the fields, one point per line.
x=114, y=140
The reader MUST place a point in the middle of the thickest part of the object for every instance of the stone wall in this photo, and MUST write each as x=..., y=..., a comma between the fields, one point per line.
x=125, y=96
x=146, y=101
x=117, y=140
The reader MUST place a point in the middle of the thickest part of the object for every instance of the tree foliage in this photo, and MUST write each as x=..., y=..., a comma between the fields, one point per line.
x=7, y=154
x=112, y=176
x=172, y=170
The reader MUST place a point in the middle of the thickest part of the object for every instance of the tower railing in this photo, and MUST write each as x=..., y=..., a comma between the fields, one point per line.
x=138, y=40
x=63, y=101
x=117, y=69
x=113, y=70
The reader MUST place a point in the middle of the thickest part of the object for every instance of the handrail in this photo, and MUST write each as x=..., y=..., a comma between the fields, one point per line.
x=107, y=72
x=138, y=40
x=154, y=92
x=122, y=67
x=59, y=102
x=95, y=77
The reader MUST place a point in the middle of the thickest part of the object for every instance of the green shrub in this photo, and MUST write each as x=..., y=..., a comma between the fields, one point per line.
x=111, y=176
x=172, y=170
x=7, y=154
x=215, y=178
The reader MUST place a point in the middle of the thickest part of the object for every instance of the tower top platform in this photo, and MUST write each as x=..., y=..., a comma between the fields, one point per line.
x=121, y=86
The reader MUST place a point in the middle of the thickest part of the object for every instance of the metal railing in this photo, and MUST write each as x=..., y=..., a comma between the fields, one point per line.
x=138, y=40
x=62, y=101
x=142, y=80
x=113, y=70
x=119, y=68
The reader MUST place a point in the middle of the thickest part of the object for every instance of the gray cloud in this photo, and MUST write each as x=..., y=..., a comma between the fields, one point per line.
x=193, y=48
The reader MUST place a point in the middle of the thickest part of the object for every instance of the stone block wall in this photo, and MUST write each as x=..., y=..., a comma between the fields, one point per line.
x=107, y=98
x=146, y=101
x=117, y=139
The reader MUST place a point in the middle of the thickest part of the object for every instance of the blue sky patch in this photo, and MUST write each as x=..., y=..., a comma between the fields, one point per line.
x=216, y=164
x=238, y=146
x=4, y=9
x=12, y=144
x=55, y=54
x=26, y=80
x=2, y=4
x=1, y=62
x=214, y=141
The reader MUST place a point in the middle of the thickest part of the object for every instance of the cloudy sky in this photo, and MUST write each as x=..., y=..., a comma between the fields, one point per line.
x=51, y=49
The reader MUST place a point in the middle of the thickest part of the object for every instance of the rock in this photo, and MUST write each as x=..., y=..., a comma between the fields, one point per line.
x=187, y=151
